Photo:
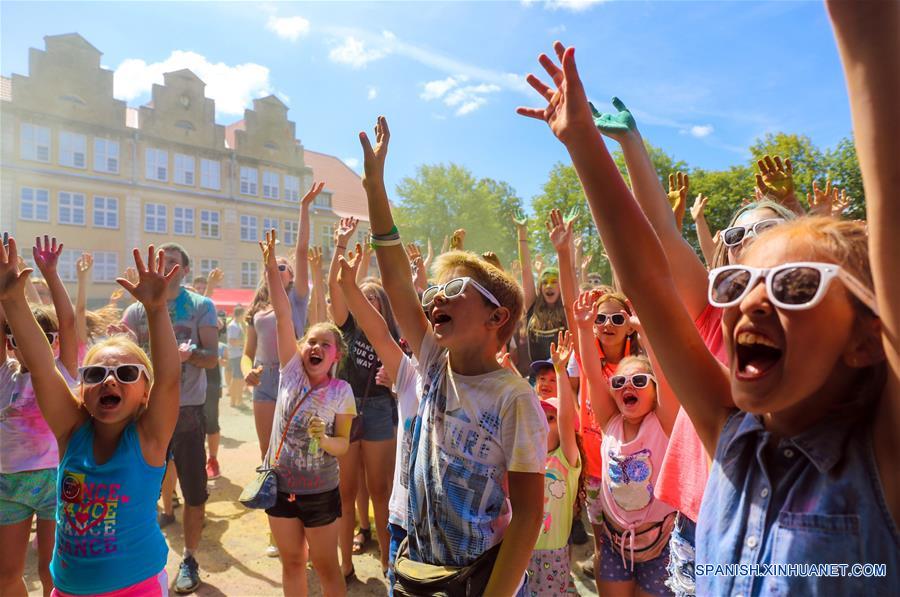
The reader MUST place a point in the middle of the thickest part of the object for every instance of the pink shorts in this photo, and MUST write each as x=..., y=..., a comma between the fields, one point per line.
x=155, y=586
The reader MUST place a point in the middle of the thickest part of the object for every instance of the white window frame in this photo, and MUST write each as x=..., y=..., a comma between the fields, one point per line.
x=68, y=206
x=249, y=224
x=32, y=140
x=269, y=224
x=291, y=232
x=72, y=150
x=185, y=167
x=106, y=155
x=106, y=267
x=183, y=216
x=323, y=200
x=210, y=174
x=249, y=181
x=67, y=265
x=207, y=265
x=38, y=200
x=249, y=274
x=271, y=186
x=110, y=206
x=292, y=188
x=209, y=224
x=156, y=164
x=159, y=212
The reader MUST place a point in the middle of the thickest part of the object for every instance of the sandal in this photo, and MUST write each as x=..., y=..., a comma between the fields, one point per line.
x=361, y=539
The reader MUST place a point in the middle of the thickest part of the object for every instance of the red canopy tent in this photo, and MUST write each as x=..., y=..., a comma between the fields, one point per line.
x=226, y=299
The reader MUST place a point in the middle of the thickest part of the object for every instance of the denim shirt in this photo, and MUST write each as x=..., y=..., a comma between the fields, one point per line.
x=814, y=498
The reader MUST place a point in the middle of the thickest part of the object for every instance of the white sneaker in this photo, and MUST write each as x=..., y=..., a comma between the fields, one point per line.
x=272, y=551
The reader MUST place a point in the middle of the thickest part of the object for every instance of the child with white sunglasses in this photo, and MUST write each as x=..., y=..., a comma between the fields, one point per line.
x=112, y=438
x=802, y=468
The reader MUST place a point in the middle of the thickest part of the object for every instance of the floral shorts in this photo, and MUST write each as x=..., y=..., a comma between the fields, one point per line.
x=593, y=488
x=27, y=493
x=548, y=572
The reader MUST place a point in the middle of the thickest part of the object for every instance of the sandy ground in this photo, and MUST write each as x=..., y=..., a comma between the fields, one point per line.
x=232, y=552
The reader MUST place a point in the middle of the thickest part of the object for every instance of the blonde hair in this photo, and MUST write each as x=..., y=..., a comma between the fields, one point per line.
x=125, y=344
x=507, y=292
x=635, y=361
x=720, y=255
x=331, y=328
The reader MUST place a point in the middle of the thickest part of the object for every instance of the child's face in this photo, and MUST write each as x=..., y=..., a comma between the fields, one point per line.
x=112, y=401
x=319, y=352
x=550, y=290
x=610, y=334
x=778, y=359
x=545, y=383
x=748, y=218
x=634, y=403
x=54, y=345
x=462, y=321
x=553, y=433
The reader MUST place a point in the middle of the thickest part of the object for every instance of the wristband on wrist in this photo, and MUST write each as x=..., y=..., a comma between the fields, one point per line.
x=392, y=234
x=378, y=242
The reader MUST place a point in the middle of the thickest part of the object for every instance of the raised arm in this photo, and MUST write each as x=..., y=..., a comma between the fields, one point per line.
x=367, y=317
x=528, y=286
x=707, y=244
x=688, y=272
x=301, y=275
x=365, y=260
x=566, y=417
x=561, y=237
x=83, y=269
x=156, y=425
x=602, y=403
x=46, y=256
x=668, y=403
x=281, y=305
x=60, y=408
x=640, y=260
x=343, y=233
x=317, y=309
x=392, y=259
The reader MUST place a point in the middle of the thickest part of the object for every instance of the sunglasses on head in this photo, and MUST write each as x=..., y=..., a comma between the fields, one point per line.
x=735, y=235
x=94, y=374
x=616, y=319
x=789, y=286
x=454, y=288
x=638, y=380
x=51, y=338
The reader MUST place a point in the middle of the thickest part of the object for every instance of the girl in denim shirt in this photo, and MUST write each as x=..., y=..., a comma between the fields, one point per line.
x=801, y=469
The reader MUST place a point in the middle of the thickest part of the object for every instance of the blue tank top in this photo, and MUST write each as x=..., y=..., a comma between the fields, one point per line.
x=107, y=536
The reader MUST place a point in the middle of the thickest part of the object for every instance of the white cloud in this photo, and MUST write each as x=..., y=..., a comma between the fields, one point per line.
x=464, y=98
x=354, y=52
x=571, y=5
x=372, y=93
x=353, y=163
x=701, y=130
x=233, y=87
x=290, y=28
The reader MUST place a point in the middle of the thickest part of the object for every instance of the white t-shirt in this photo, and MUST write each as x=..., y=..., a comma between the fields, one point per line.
x=470, y=431
x=408, y=387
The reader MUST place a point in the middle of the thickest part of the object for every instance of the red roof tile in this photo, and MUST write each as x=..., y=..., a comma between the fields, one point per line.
x=347, y=195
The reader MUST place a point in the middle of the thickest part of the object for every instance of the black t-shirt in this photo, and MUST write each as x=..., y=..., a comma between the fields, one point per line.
x=539, y=341
x=359, y=365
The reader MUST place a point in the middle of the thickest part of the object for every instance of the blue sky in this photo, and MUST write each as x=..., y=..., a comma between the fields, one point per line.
x=704, y=78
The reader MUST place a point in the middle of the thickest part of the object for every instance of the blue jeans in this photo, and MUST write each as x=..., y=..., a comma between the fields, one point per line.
x=398, y=534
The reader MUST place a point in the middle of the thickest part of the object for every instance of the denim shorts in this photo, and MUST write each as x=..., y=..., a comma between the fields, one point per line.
x=234, y=365
x=650, y=576
x=313, y=509
x=267, y=390
x=681, y=557
x=27, y=493
x=376, y=419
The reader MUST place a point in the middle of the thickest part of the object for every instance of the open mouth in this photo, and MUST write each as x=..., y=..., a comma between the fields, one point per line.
x=315, y=359
x=630, y=400
x=440, y=318
x=109, y=401
x=756, y=355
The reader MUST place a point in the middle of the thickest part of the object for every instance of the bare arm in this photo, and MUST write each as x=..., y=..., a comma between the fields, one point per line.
x=301, y=275
x=287, y=341
x=561, y=237
x=567, y=417
x=46, y=255
x=707, y=244
x=602, y=403
x=251, y=374
x=363, y=272
x=83, y=268
x=392, y=260
x=339, y=443
x=528, y=286
x=668, y=403
x=342, y=235
x=213, y=281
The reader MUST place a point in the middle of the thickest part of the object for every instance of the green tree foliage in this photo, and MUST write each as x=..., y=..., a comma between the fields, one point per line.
x=442, y=198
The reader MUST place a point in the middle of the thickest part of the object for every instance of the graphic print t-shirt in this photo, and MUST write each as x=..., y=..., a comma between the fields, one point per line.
x=470, y=431
x=189, y=312
x=408, y=387
x=361, y=362
x=560, y=492
x=299, y=471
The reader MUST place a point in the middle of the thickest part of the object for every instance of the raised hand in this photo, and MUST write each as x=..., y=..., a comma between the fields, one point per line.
x=585, y=309
x=214, y=279
x=572, y=214
x=46, y=254
x=268, y=249
x=776, y=181
x=413, y=251
x=153, y=282
x=538, y=264
x=115, y=296
x=699, y=207
x=457, y=241
x=348, y=267
x=679, y=187
x=419, y=274
x=346, y=228
x=374, y=157
x=312, y=193
x=561, y=350
x=505, y=361
x=586, y=261
x=83, y=266
x=567, y=112
x=560, y=230
x=131, y=275
x=12, y=279
x=315, y=258
x=821, y=201
x=840, y=204
x=615, y=125
x=520, y=219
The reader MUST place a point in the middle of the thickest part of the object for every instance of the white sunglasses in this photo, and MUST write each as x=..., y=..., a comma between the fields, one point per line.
x=789, y=286
x=735, y=235
x=454, y=288
x=637, y=380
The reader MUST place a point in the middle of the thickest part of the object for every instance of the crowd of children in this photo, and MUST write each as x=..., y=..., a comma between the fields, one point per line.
x=710, y=420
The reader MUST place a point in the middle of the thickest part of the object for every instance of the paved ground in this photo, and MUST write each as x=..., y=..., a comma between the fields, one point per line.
x=232, y=553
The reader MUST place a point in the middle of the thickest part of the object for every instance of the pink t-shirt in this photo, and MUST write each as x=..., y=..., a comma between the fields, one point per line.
x=685, y=467
x=28, y=442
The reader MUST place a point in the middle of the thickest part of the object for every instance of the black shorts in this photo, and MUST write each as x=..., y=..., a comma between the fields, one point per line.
x=188, y=450
x=313, y=509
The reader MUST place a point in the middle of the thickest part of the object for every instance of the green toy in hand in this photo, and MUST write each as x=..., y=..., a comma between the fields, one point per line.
x=617, y=124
